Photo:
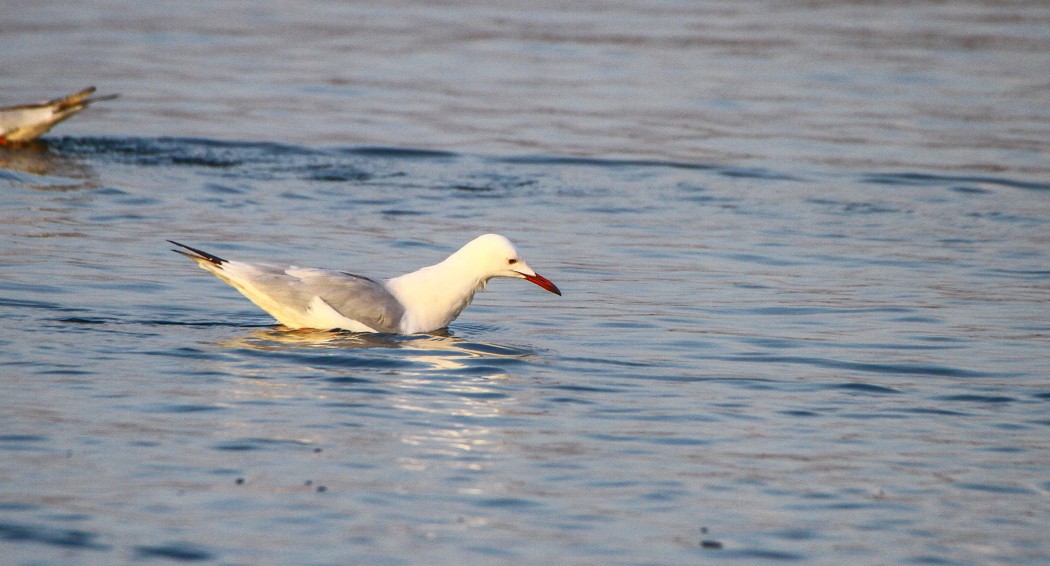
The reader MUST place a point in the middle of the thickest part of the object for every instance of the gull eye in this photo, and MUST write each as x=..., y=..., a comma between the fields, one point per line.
x=511, y=261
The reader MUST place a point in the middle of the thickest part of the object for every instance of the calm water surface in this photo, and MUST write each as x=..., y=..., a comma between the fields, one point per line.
x=803, y=248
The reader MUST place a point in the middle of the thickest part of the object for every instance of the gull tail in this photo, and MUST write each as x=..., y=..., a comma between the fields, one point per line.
x=77, y=101
x=66, y=106
x=198, y=255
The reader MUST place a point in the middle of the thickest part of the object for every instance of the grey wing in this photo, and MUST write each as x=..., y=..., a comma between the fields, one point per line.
x=353, y=296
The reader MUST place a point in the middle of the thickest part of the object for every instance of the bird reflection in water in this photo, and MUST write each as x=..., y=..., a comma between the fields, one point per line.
x=438, y=350
x=49, y=169
x=449, y=388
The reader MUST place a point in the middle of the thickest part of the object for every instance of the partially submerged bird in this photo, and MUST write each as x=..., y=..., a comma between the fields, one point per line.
x=25, y=123
x=422, y=301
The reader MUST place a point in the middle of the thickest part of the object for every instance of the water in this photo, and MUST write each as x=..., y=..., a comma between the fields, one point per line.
x=803, y=250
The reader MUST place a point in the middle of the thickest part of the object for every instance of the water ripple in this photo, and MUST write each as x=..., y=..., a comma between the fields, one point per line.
x=867, y=367
x=943, y=180
x=68, y=538
x=180, y=551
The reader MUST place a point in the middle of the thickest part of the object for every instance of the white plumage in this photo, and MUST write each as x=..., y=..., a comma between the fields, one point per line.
x=25, y=123
x=421, y=301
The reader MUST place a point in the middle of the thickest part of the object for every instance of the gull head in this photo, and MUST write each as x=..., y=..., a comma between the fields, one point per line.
x=494, y=256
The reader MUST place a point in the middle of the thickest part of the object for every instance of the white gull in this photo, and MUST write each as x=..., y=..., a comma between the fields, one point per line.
x=26, y=122
x=422, y=301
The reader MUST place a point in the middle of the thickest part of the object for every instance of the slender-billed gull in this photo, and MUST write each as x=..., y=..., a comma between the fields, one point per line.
x=422, y=301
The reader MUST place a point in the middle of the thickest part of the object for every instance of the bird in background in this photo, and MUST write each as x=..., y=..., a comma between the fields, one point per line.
x=419, y=302
x=24, y=123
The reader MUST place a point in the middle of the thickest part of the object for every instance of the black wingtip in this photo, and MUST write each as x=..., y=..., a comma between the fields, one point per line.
x=200, y=254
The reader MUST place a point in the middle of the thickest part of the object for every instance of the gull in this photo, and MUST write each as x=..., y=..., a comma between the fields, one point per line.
x=419, y=302
x=25, y=123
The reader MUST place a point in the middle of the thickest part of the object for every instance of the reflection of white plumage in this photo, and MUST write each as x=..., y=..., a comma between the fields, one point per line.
x=421, y=301
x=27, y=122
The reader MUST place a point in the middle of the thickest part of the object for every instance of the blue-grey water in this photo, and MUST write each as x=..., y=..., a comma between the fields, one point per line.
x=804, y=249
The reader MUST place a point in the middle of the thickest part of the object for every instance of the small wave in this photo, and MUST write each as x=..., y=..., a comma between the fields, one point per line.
x=70, y=538
x=929, y=411
x=868, y=367
x=398, y=152
x=972, y=398
x=30, y=303
x=998, y=488
x=182, y=551
x=4, y=438
x=756, y=173
x=249, y=160
x=947, y=180
x=104, y=320
x=256, y=443
x=599, y=162
x=181, y=408
x=868, y=388
x=511, y=503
